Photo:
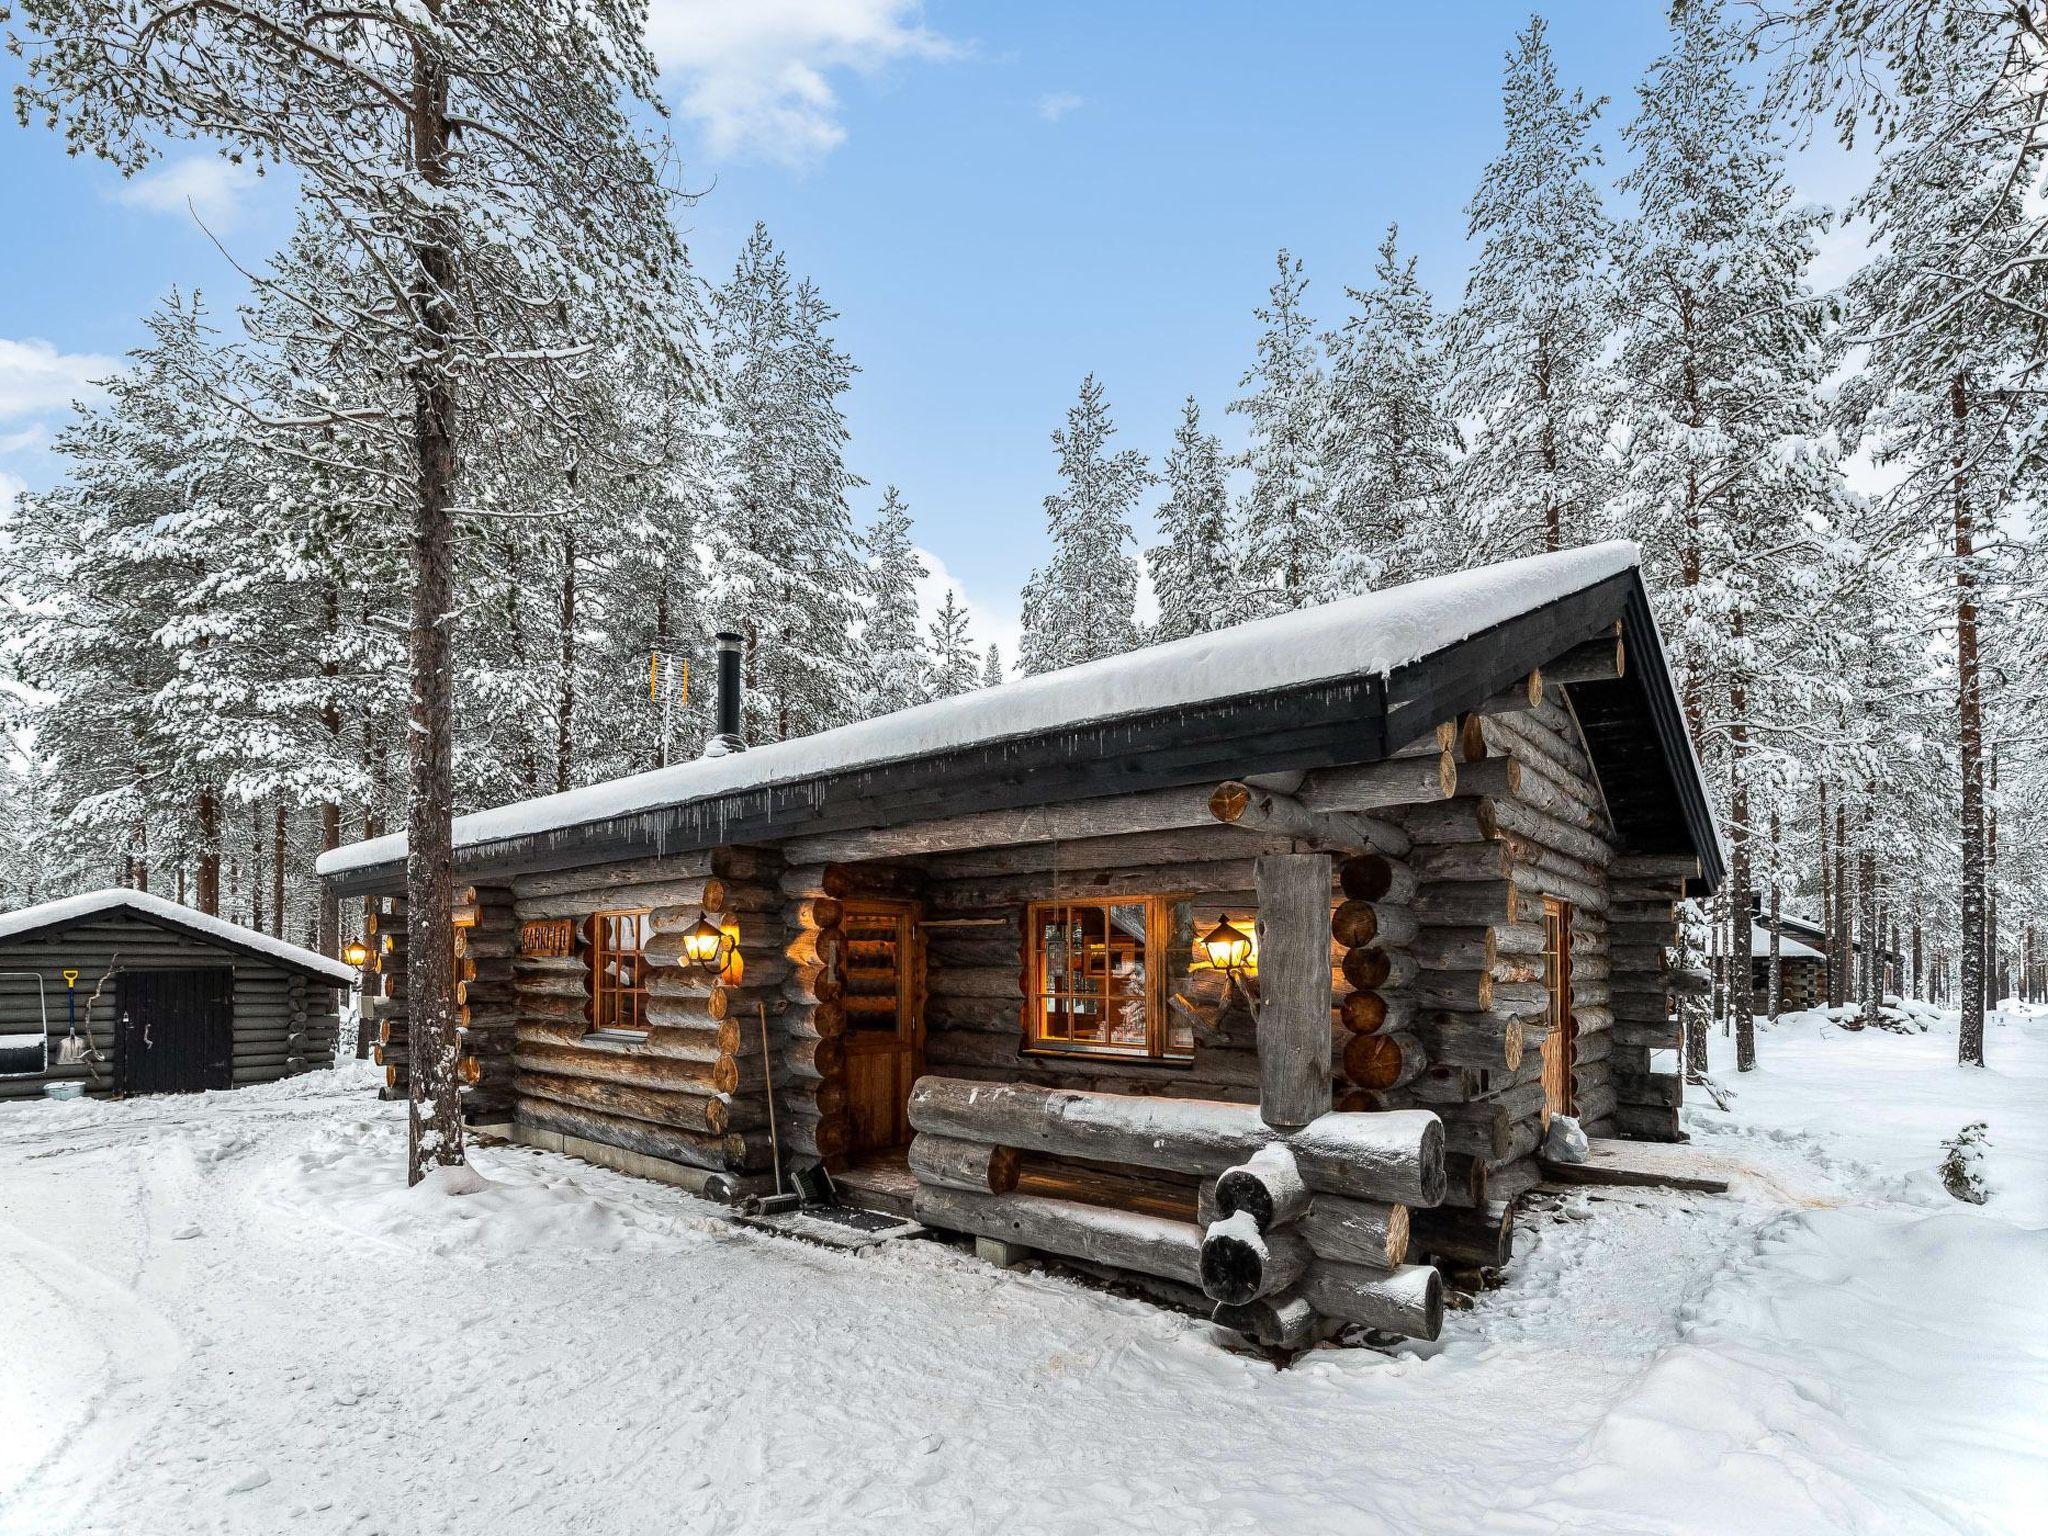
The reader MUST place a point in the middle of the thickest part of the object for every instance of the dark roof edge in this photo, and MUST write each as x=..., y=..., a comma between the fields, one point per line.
x=1355, y=719
x=171, y=925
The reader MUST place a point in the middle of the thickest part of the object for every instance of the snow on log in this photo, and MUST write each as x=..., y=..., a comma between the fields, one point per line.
x=1365, y=1232
x=975, y=1166
x=1240, y=1263
x=1409, y=1301
x=1278, y=1322
x=1272, y=814
x=1267, y=1186
x=1148, y=1245
x=1394, y=1156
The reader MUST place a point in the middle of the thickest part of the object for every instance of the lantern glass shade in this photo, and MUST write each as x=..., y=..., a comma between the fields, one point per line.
x=704, y=944
x=355, y=952
x=1228, y=947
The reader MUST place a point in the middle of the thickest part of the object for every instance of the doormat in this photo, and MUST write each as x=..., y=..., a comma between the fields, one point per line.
x=836, y=1226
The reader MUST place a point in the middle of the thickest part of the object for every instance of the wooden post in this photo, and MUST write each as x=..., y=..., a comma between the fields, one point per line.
x=1294, y=987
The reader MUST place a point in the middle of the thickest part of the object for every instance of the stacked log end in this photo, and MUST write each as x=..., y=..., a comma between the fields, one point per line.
x=384, y=1002
x=811, y=1098
x=1372, y=930
x=486, y=999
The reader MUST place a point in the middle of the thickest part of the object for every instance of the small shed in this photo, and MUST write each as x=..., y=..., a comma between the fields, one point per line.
x=163, y=999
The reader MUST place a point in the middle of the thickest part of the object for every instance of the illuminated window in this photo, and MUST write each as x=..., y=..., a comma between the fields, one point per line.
x=1097, y=979
x=618, y=976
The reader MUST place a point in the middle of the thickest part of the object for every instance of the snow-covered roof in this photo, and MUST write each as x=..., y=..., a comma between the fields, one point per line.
x=1355, y=637
x=1789, y=948
x=72, y=909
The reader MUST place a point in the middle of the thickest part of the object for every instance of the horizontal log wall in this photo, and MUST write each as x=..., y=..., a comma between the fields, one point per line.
x=693, y=1089
x=1530, y=821
x=283, y=1023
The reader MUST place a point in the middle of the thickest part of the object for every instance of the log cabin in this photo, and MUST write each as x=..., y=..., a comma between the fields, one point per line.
x=1252, y=964
x=153, y=997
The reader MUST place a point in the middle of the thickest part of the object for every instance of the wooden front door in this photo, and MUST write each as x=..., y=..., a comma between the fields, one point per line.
x=177, y=1030
x=1559, y=1051
x=884, y=1003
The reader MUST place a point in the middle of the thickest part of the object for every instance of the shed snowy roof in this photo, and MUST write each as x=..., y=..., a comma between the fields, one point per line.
x=1360, y=636
x=71, y=910
x=1788, y=948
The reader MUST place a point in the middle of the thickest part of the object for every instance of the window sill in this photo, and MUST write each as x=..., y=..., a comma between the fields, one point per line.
x=619, y=1040
x=1121, y=1058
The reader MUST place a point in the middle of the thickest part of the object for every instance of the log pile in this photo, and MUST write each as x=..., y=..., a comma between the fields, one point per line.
x=1298, y=1224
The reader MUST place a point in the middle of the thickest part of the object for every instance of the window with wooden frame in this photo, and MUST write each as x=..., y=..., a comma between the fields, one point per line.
x=1097, y=973
x=618, y=974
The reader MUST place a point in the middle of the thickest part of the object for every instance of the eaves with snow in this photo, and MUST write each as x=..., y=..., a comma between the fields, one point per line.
x=52, y=917
x=1348, y=681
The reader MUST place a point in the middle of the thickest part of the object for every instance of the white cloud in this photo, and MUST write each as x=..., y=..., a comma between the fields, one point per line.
x=1000, y=621
x=1054, y=105
x=756, y=73
x=205, y=186
x=36, y=377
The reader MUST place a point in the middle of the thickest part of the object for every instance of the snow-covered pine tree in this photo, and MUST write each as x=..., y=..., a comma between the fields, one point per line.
x=1193, y=567
x=1527, y=342
x=1392, y=444
x=784, y=569
x=992, y=667
x=107, y=564
x=1082, y=604
x=1730, y=471
x=892, y=656
x=952, y=665
x=1952, y=364
x=1283, y=518
x=548, y=201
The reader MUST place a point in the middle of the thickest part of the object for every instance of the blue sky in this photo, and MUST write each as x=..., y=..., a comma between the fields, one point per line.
x=998, y=198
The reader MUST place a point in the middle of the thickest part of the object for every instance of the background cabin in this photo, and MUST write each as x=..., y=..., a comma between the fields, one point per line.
x=977, y=957
x=165, y=999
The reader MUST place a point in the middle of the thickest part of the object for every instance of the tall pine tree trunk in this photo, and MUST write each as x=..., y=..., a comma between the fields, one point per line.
x=329, y=936
x=1994, y=979
x=1873, y=933
x=1842, y=943
x=565, y=698
x=1969, y=741
x=1775, y=981
x=434, y=1117
x=1741, y=932
x=206, y=882
x=277, y=858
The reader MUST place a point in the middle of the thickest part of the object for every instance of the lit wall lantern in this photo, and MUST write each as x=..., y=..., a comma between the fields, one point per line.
x=355, y=952
x=707, y=946
x=1228, y=947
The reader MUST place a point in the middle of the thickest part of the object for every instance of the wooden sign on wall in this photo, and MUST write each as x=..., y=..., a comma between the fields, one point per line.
x=548, y=936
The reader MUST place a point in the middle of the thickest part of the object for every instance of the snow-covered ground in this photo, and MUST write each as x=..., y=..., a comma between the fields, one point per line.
x=225, y=1315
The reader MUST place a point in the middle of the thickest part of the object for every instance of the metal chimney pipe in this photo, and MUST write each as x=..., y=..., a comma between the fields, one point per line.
x=727, y=736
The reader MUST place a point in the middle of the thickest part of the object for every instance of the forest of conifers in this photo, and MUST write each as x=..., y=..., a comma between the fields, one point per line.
x=1837, y=493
